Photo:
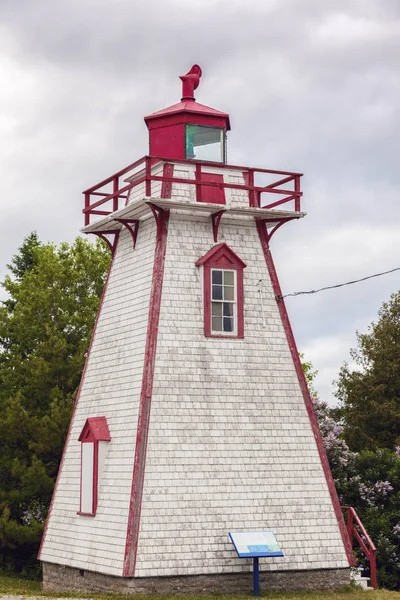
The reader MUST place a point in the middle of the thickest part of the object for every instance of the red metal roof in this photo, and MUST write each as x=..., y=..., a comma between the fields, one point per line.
x=221, y=250
x=98, y=428
x=189, y=106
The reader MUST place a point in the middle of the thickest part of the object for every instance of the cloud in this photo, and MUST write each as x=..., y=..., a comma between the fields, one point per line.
x=310, y=86
x=329, y=353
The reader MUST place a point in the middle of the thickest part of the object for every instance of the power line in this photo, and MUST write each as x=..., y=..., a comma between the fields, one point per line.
x=338, y=285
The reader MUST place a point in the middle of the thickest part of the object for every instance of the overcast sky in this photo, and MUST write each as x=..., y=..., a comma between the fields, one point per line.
x=311, y=86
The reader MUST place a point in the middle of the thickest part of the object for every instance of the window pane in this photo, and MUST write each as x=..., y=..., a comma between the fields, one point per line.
x=217, y=277
x=216, y=309
x=216, y=323
x=228, y=277
x=228, y=324
x=217, y=292
x=228, y=309
x=229, y=293
x=204, y=143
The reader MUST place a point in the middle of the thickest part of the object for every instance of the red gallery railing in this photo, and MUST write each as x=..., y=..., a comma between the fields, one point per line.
x=109, y=191
x=357, y=530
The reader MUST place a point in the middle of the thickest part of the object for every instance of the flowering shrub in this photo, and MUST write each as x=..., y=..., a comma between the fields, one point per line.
x=370, y=482
x=36, y=512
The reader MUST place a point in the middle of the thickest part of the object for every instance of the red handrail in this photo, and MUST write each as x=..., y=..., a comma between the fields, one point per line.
x=356, y=529
x=97, y=195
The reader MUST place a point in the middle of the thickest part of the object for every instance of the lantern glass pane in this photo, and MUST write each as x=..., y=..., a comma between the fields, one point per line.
x=205, y=143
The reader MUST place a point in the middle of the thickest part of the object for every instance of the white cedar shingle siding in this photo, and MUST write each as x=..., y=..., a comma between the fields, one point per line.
x=230, y=443
x=111, y=388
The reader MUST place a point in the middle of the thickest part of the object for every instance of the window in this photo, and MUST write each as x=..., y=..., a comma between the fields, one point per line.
x=223, y=301
x=223, y=292
x=94, y=440
x=205, y=143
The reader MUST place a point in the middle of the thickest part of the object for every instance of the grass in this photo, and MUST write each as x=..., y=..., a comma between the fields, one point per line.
x=24, y=587
x=13, y=585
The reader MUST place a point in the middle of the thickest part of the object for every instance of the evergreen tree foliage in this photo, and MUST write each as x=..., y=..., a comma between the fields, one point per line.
x=26, y=259
x=45, y=327
x=369, y=394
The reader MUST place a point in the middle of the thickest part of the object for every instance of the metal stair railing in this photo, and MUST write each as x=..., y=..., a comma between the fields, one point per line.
x=356, y=530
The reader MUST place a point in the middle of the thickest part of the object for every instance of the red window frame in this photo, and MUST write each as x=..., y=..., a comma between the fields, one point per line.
x=94, y=431
x=222, y=257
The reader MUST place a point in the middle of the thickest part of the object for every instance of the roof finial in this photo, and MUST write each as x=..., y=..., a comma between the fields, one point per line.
x=190, y=82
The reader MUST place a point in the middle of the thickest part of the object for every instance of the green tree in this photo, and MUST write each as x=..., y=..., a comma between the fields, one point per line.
x=369, y=395
x=45, y=327
x=372, y=487
x=369, y=481
x=26, y=258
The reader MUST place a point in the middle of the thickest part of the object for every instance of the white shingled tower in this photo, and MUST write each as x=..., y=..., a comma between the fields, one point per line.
x=193, y=417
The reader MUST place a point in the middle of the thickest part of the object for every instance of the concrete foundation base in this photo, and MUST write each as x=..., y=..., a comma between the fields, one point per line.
x=61, y=578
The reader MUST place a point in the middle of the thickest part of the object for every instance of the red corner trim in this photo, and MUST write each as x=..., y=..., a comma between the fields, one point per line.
x=75, y=406
x=263, y=234
x=132, y=536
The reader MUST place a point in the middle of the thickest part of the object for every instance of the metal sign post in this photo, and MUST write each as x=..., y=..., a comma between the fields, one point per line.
x=256, y=576
x=255, y=544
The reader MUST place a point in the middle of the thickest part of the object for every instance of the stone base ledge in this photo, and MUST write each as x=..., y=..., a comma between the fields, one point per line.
x=57, y=578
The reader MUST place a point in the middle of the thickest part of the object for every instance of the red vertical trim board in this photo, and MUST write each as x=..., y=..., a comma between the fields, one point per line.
x=166, y=186
x=80, y=479
x=263, y=234
x=95, y=476
x=132, y=535
x=76, y=404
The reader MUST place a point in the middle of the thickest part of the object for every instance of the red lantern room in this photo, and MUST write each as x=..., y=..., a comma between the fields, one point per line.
x=189, y=130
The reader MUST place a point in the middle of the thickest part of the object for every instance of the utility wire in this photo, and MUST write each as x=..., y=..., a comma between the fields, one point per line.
x=332, y=287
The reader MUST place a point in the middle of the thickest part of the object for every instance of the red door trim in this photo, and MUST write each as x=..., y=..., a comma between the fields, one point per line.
x=132, y=536
x=263, y=234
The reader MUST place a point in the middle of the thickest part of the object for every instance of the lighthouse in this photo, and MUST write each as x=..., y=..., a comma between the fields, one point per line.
x=193, y=418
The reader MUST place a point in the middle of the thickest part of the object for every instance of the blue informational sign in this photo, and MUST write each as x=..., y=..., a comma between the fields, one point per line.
x=252, y=544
